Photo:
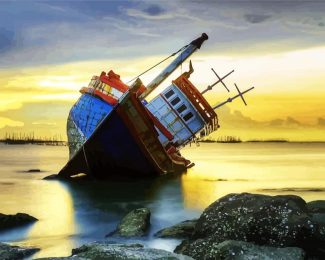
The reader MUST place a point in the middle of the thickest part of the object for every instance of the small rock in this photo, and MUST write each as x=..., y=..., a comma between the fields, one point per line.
x=108, y=251
x=180, y=230
x=11, y=221
x=316, y=206
x=135, y=223
x=8, y=252
x=239, y=250
x=34, y=170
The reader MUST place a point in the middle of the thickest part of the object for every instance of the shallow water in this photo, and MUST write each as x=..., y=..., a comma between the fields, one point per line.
x=72, y=214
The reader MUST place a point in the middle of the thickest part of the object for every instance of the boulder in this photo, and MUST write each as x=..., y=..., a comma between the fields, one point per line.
x=135, y=223
x=279, y=221
x=103, y=251
x=316, y=206
x=318, y=218
x=180, y=230
x=239, y=250
x=11, y=221
x=8, y=252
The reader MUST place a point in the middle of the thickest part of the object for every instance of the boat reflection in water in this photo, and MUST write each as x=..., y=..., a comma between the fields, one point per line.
x=71, y=214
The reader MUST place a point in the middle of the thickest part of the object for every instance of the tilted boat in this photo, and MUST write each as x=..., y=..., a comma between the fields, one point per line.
x=114, y=132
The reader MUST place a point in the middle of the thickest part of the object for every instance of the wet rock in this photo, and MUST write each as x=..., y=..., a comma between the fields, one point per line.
x=316, y=206
x=34, y=170
x=11, y=221
x=280, y=221
x=318, y=218
x=8, y=252
x=239, y=250
x=180, y=230
x=103, y=251
x=135, y=223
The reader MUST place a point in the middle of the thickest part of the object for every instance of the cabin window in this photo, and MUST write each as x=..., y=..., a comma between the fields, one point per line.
x=188, y=116
x=169, y=93
x=181, y=108
x=175, y=101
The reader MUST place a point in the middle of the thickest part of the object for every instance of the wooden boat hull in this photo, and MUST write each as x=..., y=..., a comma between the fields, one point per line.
x=124, y=144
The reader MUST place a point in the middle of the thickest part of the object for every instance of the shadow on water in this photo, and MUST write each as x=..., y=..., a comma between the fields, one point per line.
x=97, y=207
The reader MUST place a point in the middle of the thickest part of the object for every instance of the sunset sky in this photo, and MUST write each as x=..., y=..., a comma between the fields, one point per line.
x=50, y=49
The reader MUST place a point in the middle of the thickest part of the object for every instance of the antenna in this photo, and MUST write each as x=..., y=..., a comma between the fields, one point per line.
x=218, y=81
x=240, y=94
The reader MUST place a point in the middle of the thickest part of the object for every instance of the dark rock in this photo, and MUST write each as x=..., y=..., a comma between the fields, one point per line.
x=318, y=218
x=180, y=230
x=239, y=250
x=11, y=221
x=34, y=170
x=280, y=221
x=51, y=177
x=316, y=206
x=8, y=252
x=108, y=251
x=135, y=223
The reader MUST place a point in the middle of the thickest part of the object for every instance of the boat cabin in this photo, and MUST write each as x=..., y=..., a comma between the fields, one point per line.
x=183, y=112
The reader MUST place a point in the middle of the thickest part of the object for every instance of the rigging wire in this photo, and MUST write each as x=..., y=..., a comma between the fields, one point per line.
x=181, y=49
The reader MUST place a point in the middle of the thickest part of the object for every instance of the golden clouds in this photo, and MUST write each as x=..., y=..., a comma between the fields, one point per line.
x=288, y=84
x=8, y=122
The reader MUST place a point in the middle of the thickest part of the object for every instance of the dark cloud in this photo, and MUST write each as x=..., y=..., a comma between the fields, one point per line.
x=277, y=122
x=256, y=18
x=292, y=121
x=7, y=39
x=288, y=122
x=65, y=31
x=321, y=121
x=237, y=119
x=154, y=10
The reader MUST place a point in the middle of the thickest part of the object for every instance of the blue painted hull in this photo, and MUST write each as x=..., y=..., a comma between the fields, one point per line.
x=107, y=145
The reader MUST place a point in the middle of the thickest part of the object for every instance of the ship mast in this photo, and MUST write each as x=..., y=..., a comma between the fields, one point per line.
x=187, y=52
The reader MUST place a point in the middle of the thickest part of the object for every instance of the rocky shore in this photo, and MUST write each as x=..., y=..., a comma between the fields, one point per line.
x=8, y=252
x=244, y=223
x=19, y=219
x=237, y=226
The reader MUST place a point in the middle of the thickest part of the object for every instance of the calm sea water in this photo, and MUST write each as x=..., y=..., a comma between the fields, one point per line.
x=71, y=214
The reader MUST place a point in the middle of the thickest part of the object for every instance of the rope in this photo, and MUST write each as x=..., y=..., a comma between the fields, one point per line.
x=157, y=64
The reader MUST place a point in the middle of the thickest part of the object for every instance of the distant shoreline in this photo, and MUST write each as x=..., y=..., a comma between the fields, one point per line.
x=64, y=143
x=35, y=142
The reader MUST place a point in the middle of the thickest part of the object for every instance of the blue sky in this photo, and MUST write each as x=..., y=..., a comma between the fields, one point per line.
x=47, y=32
x=50, y=49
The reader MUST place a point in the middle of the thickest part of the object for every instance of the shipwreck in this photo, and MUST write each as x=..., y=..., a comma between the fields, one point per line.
x=113, y=131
